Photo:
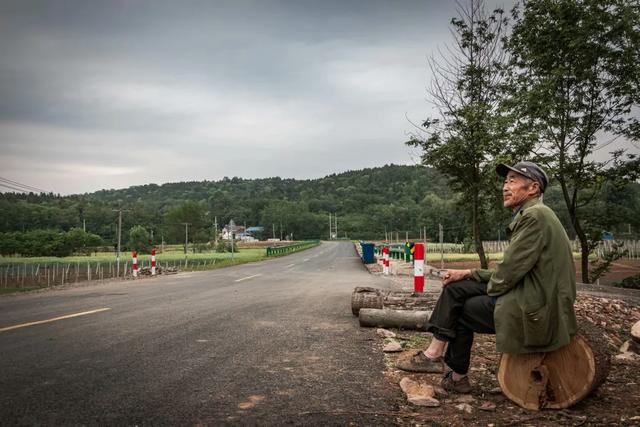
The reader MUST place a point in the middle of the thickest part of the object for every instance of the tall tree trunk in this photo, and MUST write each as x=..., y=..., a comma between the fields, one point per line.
x=476, y=232
x=584, y=249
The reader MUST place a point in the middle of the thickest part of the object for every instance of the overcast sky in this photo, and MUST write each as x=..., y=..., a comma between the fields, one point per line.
x=108, y=94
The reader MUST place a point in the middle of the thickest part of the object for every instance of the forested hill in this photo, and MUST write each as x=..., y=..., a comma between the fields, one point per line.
x=367, y=202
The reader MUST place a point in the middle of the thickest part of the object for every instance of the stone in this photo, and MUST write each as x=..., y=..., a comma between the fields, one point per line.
x=440, y=392
x=465, y=407
x=487, y=406
x=384, y=333
x=465, y=398
x=419, y=394
x=630, y=346
x=626, y=357
x=496, y=390
x=635, y=332
x=392, y=346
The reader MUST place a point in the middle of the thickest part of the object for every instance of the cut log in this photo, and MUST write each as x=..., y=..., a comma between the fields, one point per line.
x=404, y=319
x=557, y=379
x=366, y=297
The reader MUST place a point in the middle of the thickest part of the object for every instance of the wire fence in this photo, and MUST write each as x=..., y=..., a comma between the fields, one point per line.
x=632, y=247
x=32, y=275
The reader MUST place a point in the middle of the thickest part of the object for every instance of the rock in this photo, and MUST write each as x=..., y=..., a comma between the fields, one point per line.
x=465, y=407
x=466, y=398
x=635, y=331
x=392, y=346
x=496, y=390
x=487, y=406
x=440, y=392
x=630, y=346
x=385, y=333
x=626, y=357
x=420, y=394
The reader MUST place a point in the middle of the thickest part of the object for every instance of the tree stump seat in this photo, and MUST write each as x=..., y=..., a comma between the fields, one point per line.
x=557, y=379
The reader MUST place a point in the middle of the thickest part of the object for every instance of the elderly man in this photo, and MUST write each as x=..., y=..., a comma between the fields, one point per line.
x=527, y=300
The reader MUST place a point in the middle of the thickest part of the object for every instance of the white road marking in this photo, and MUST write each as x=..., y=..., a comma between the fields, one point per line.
x=306, y=259
x=290, y=265
x=39, y=322
x=247, y=278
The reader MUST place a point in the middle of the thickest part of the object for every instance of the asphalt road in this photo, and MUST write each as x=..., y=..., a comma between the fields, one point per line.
x=268, y=343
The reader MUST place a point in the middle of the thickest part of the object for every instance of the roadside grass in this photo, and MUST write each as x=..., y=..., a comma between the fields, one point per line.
x=172, y=255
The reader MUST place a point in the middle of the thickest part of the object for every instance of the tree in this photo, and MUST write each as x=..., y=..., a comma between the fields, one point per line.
x=576, y=74
x=468, y=135
x=139, y=239
x=190, y=212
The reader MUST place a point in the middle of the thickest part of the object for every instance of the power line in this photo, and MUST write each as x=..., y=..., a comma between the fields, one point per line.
x=13, y=188
x=23, y=186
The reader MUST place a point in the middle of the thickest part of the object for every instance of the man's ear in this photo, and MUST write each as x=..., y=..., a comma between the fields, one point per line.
x=535, y=187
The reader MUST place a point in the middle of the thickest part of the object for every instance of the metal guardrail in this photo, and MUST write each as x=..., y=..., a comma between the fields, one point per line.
x=282, y=250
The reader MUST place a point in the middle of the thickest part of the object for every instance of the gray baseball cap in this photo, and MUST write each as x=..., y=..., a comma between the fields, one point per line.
x=528, y=170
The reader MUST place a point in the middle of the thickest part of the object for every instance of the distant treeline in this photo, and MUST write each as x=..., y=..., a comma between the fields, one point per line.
x=367, y=203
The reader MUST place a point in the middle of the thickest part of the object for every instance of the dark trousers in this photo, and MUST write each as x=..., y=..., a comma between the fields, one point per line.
x=462, y=309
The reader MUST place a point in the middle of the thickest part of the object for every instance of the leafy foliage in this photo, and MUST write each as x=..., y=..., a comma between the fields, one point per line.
x=469, y=135
x=575, y=75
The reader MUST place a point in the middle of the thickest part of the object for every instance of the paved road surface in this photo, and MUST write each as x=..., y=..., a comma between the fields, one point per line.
x=264, y=343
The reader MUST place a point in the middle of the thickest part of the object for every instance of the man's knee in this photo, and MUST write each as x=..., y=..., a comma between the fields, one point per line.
x=460, y=288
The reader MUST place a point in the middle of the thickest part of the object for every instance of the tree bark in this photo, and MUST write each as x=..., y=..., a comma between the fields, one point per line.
x=366, y=297
x=584, y=250
x=556, y=379
x=476, y=233
x=404, y=319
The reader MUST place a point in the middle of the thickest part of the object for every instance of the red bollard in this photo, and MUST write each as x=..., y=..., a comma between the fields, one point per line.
x=418, y=268
x=153, y=262
x=385, y=268
x=134, y=255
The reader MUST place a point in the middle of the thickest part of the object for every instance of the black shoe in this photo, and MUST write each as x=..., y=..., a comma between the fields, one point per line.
x=462, y=386
x=419, y=362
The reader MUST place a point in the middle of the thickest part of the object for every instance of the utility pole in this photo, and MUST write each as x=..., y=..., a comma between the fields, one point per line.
x=281, y=230
x=119, y=238
x=215, y=231
x=336, y=230
x=273, y=226
x=330, y=226
x=232, y=226
x=186, y=240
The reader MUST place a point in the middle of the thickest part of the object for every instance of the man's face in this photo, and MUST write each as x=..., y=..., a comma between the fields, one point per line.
x=517, y=190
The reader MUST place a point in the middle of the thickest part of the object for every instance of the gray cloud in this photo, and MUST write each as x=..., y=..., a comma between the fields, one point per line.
x=109, y=94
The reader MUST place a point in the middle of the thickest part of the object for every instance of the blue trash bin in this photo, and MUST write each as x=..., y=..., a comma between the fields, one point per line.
x=367, y=253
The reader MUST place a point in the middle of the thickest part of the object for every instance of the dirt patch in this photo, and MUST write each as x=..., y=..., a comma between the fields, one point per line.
x=616, y=402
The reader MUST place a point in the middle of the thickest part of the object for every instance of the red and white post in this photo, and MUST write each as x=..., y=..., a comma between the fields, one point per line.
x=418, y=268
x=134, y=255
x=385, y=265
x=153, y=262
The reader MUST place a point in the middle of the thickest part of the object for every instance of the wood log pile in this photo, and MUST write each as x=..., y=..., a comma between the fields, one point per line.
x=146, y=271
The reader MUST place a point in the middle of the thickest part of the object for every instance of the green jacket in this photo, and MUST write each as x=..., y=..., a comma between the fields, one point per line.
x=535, y=284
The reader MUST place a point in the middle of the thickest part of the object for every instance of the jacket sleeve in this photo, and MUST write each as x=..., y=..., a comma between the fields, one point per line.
x=519, y=258
x=481, y=275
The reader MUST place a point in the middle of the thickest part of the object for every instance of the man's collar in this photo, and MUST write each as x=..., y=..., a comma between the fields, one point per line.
x=526, y=205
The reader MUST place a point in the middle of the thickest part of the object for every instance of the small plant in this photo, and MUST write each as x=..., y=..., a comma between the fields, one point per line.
x=602, y=265
x=632, y=282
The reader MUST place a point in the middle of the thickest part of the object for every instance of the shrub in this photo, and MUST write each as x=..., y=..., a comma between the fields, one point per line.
x=632, y=282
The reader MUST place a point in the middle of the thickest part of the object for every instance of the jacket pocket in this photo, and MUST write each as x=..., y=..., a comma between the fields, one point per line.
x=539, y=326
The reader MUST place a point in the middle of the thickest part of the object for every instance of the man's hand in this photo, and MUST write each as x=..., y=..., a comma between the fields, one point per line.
x=455, y=276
